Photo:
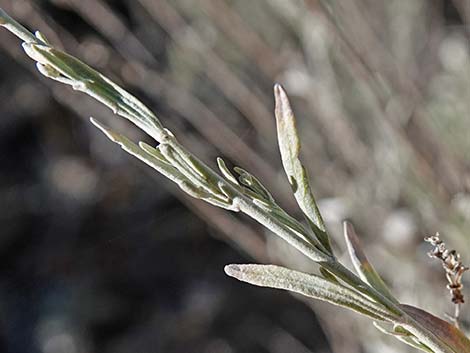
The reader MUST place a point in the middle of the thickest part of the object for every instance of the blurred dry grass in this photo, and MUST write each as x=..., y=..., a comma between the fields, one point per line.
x=381, y=90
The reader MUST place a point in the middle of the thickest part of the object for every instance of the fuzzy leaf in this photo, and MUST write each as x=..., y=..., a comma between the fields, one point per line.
x=362, y=265
x=404, y=336
x=289, y=145
x=158, y=161
x=155, y=161
x=309, y=285
x=328, y=275
x=226, y=172
x=452, y=337
x=85, y=79
x=250, y=181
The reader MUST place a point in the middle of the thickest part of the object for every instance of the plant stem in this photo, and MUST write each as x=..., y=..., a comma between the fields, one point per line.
x=353, y=280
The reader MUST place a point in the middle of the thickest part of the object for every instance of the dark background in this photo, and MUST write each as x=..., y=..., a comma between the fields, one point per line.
x=100, y=254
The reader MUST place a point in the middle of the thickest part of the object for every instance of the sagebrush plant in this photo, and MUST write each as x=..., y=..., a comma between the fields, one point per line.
x=365, y=293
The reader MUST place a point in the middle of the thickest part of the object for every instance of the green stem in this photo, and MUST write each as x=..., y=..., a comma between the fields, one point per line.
x=353, y=280
x=427, y=337
x=278, y=227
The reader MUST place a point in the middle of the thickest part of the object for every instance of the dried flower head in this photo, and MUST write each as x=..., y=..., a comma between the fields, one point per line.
x=453, y=267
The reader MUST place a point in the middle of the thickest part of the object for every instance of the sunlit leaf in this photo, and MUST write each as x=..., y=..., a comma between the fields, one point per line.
x=289, y=145
x=362, y=265
x=403, y=335
x=454, y=338
x=309, y=285
x=84, y=78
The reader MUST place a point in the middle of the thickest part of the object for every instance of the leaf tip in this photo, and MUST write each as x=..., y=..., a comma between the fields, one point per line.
x=282, y=105
x=105, y=130
x=353, y=243
x=96, y=123
x=29, y=50
x=348, y=229
x=278, y=88
x=233, y=270
x=145, y=146
x=39, y=35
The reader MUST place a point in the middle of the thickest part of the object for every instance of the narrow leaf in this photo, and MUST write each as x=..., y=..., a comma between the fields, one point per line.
x=83, y=78
x=158, y=161
x=328, y=275
x=153, y=151
x=289, y=145
x=412, y=341
x=16, y=28
x=362, y=265
x=309, y=285
x=130, y=147
x=226, y=172
x=252, y=182
x=452, y=337
x=404, y=336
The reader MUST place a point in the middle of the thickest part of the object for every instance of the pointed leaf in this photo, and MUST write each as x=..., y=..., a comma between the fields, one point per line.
x=453, y=338
x=226, y=172
x=85, y=79
x=404, y=336
x=289, y=145
x=328, y=275
x=82, y=77
x=362, y=265
x=155, y=161
x=309, y=285
x=250, y=181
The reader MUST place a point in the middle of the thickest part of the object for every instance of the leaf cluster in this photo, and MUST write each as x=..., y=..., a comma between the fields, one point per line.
x=365, y=293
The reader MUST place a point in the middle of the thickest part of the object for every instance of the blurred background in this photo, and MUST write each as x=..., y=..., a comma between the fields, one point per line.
x=100, y=254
